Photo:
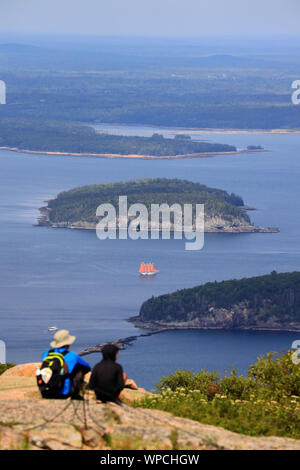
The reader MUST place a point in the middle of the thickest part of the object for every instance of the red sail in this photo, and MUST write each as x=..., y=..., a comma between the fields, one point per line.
x=142, y=268
x=147, y=268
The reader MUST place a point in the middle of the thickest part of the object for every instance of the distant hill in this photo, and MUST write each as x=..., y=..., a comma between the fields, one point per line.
x=192, y=83
x=18, y=48
x=264, y=302
x=228, y=60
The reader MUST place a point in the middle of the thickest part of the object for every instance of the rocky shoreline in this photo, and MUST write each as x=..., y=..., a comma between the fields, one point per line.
x=136, y=156
x=44, y=221
x=120, y=343
x=159, y=327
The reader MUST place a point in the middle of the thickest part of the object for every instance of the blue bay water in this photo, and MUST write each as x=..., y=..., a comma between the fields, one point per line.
x=72, y=280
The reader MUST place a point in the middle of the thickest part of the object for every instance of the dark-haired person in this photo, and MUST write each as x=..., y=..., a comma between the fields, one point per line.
x=107, y=378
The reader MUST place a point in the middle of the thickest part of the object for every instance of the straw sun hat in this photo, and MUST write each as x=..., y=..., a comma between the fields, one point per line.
x=62, y=338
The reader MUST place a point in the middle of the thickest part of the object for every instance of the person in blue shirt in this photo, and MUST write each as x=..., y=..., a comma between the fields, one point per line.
x=76, y=367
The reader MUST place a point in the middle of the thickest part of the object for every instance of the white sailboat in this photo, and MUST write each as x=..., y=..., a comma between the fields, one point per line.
x=52, y=328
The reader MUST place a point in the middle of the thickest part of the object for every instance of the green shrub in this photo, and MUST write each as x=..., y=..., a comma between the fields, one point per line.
x=276, y=376
x=4, y=367
x=189, y=381
x=265, y=402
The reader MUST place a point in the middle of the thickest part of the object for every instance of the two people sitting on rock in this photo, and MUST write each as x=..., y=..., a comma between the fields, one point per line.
x=62, y=372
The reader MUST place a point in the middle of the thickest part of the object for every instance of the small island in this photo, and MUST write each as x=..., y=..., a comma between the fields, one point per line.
x=76, y=209
x=63, y=139
x=270, y=302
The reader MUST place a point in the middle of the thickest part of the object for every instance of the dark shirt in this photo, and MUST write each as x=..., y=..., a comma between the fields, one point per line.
x=107, y=380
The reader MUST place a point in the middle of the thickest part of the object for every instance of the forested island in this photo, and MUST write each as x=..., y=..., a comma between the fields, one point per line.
x=270, y=302
x=74, y=139
x=76, y=208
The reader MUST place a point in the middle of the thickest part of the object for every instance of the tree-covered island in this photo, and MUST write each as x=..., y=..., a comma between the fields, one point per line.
x=74, y=139
x=270, y=302
x=76, y=208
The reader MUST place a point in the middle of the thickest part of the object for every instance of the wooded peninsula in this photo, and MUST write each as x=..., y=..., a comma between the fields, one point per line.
x=71, y=138
x=270, y=302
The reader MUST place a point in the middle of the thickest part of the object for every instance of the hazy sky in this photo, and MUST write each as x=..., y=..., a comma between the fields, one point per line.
x=151, y=17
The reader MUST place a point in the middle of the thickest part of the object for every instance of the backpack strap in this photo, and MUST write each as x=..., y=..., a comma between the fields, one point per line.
x=61, y=357
x=66, y=368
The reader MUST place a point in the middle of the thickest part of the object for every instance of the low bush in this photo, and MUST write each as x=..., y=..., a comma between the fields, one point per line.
x=4, y=367
x=266, y=402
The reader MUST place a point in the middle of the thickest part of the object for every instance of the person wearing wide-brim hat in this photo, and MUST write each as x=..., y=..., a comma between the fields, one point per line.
x=62, y=338
x=74, y=366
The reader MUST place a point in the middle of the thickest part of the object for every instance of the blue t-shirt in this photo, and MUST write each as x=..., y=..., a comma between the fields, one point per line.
x=72, y=359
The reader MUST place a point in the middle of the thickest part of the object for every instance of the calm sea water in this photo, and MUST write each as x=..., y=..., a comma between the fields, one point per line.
x=72, y=280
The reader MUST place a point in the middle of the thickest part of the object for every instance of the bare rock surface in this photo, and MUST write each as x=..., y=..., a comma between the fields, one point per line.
x=60, y=424
x=22, y=370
